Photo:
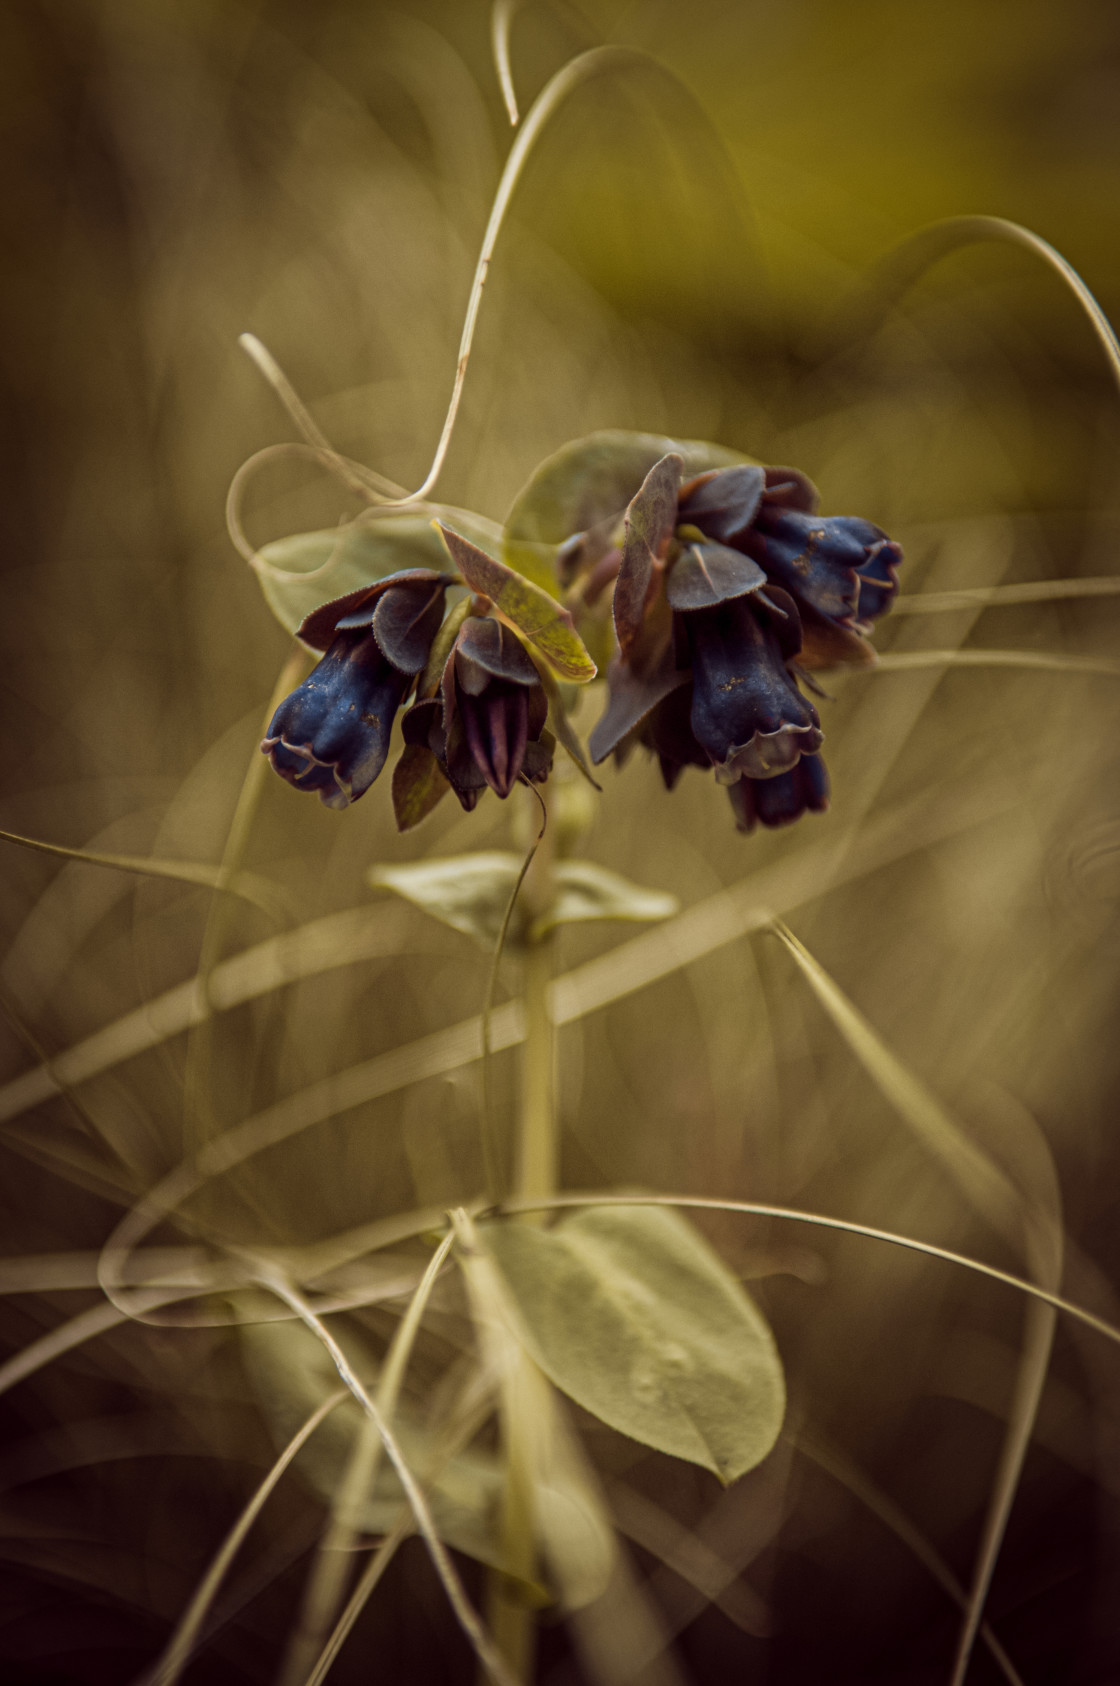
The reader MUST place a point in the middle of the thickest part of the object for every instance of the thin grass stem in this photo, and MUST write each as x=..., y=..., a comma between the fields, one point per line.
x=182, y=1642
x=502, y=14
x=465, y=1612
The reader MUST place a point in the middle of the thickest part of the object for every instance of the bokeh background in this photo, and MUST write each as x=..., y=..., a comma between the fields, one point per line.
x=321, y=175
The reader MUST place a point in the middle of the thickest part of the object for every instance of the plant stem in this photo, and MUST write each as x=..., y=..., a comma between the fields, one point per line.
x=536, y=1174
x=538, y=1145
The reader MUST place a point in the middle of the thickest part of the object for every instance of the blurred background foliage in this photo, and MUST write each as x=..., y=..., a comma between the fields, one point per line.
x=321, y=175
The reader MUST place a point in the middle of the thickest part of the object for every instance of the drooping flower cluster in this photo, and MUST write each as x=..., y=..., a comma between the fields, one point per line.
x=482, y=702
x=730, y=586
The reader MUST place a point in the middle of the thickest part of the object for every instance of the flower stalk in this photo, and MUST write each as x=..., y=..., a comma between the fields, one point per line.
x=536, y=1177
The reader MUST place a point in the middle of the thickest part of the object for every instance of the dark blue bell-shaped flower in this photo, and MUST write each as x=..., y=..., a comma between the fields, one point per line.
x=747, y=713
x=332, y=734
x=804, y=789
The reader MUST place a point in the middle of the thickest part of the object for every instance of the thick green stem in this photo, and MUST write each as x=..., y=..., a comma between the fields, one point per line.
x=536, y=1174
x=538, y=1146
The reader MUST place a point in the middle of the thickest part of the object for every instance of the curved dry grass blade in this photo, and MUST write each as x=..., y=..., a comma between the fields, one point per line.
x=340, y=939
x=365, y=482
x=182, y=1642
x=1041, y=660
x=1020, y=1222
x=981, y=1181
x=819, y=1220
x=891, y=1516
x=76, y=1330
x=1034, y=1362
x=358, y=1599
x=578, y=70
x=460, y=1428
x=269, y=453
x=249, y=886
x=1002, y=596
x=465, y=1612
x=502, y=14
x=897, y=272
x=326, y=1582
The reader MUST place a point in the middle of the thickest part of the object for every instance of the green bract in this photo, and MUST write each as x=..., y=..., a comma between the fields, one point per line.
x=584, y=488
x=471, y=892
x=300, y=573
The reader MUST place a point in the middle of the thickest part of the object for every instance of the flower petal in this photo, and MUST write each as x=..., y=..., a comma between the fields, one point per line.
x=878, y=580
x=319, y=627
x=706, y=574
x=486, y=649
x=405, y=621
x=630, y=699
x=341, y=718
x=723, y=503
x=650, y=520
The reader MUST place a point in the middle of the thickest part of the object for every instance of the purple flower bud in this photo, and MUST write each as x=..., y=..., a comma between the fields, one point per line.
x=485, y=727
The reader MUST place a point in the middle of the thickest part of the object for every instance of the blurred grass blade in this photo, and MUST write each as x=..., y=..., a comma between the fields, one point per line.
x=250, y=886
x=179, y=1648
x=340, y=939
x=325, y=1586
x=152, y=1267
x=688, y=1556
x=981, y=1181
x=467, y=1616
x=84, y=1327
x=1020, y=1222
x=902, y=267
x=1003, y=596
x=1042, y=660
x=363, y=933
x=883, y=1507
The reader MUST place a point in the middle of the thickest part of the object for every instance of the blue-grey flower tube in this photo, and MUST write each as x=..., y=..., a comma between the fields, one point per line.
x=331, y=736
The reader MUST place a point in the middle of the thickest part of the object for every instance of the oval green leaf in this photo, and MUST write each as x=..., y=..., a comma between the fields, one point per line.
x=300, y=573
x=632, y=1314
x=587, y=483
x=468, y=892
x=586, y=890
